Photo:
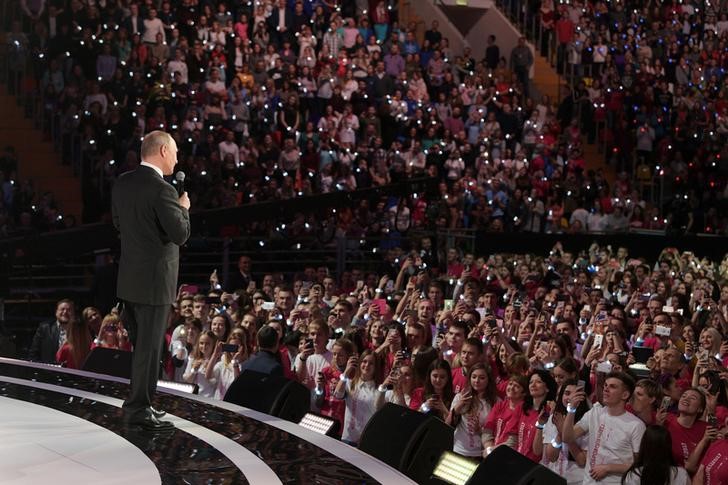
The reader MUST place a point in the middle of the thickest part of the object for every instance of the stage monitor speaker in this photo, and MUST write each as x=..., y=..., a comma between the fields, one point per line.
x=407, y=440
x=506, y=466
x=276, y=396
x=111, y=362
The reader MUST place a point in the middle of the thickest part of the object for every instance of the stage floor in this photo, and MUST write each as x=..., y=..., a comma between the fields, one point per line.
x=63, y=426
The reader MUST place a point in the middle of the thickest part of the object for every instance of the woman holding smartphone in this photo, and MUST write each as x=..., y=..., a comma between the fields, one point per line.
x=224, y=366
x=470, y=409
x=392, y=344
x=360, y=389
x=436, y=396
x=399, y=385
x=564, y=458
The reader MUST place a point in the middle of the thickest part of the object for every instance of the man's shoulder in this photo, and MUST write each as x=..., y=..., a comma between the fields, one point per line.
x=630, y=418
x=46, y=326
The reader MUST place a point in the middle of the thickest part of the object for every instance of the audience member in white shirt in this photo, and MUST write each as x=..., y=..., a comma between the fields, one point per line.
x=197, y=364
x=314, y=356
x=153, y=26
x=614, y=434
x=359, y=388
x=224, y=366
x=470, y=409
x=565, y=459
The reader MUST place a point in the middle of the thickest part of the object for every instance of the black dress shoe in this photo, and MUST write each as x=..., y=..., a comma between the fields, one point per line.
x=150, y=423
x=157, y=413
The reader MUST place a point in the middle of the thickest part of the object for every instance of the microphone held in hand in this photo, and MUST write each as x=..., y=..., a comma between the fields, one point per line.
x=180, y=178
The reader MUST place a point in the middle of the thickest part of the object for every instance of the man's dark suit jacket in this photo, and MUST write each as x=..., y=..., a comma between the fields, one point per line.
x=264, y=362
x=236, y=281
x=152, y=224
x=127, y=23
x=274, y=19
x=45, y=343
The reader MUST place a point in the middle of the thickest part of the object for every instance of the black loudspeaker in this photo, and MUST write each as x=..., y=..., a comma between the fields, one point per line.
x=111, y=362
x=407, y=440
x=506, y=466
x=276, y=396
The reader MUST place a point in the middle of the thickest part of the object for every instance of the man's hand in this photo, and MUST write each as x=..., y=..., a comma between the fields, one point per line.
x=184, y=201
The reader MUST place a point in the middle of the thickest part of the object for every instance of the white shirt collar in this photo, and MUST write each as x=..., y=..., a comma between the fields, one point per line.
x=156, y=169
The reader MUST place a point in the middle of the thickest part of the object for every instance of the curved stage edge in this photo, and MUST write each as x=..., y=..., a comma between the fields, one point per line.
x=66, y=425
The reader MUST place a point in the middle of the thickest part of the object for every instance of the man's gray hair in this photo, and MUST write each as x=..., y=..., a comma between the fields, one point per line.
x=153, y=141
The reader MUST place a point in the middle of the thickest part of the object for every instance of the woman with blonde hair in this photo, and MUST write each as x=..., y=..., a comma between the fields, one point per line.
x=224, y=366
x=197, y=364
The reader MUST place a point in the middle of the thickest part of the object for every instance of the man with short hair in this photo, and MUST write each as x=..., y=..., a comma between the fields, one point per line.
x=614, y=434
x=521, y=62
x=201, y=310
x=415, y=335
x=314, y=356
x=50, y=336
x=153, y=221
x=341, y=315
x=284, y=300
x=240, y=278
x=453, y=340
x=470, y=354
x=267, y=360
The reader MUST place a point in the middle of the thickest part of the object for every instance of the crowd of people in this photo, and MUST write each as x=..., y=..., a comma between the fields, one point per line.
x=599, y=365
x=279, y=99
x=25, y=210
x=653, y=75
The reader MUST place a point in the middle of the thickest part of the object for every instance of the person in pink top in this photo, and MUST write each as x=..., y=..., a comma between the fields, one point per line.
x=713, y=469
x=690, y=435
x=540, y=400
x=503, y=421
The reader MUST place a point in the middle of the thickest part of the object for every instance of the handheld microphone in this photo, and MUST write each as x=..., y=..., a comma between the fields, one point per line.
x=180, y=177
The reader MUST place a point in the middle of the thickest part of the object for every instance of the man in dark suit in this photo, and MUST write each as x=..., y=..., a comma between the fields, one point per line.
x=267, y=360
x=134, y=23
x=153, y=222
x=50, y=336
x=280, y=22
x=240, y=279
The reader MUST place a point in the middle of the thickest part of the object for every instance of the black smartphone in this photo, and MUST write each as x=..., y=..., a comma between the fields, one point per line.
x=230, y=348
x=309, y=343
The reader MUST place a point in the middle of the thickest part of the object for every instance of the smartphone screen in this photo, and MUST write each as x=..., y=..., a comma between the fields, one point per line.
x=230, y=348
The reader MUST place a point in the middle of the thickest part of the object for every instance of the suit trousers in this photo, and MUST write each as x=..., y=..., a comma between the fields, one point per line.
x=146, y=325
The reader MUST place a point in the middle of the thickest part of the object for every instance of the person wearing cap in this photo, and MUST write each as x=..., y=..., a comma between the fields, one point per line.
x=266, y=360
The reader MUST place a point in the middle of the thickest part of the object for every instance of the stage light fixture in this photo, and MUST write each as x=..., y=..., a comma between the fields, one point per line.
x=178, y=386
x=319, y=424
x=454, y=469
